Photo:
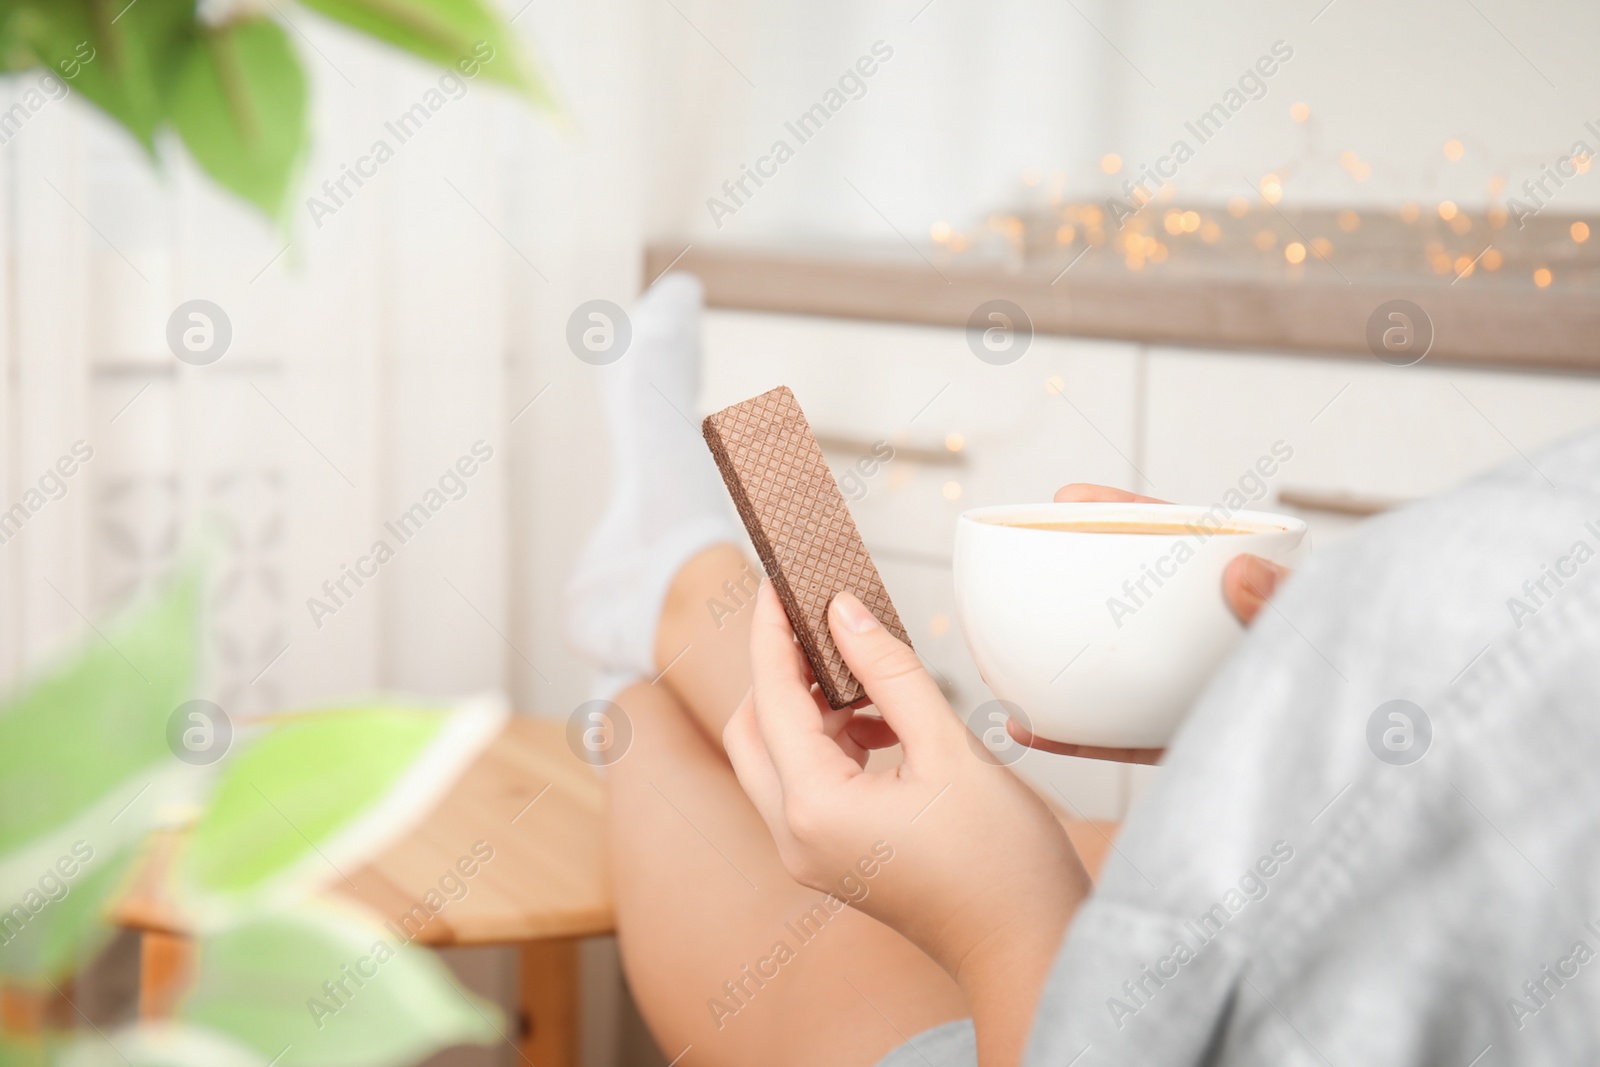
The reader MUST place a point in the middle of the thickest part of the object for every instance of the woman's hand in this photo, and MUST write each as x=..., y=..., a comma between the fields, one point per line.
x=981, y=876
x=1247, y=584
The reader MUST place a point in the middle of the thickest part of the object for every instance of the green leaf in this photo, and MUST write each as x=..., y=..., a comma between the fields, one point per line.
x=98, y=717
x=319, y=795
x=155, y=1044
x=239, y=103
x=467, y=35
x=327, y=987
x=119, y=57
x=68, y=928
x=84, y=766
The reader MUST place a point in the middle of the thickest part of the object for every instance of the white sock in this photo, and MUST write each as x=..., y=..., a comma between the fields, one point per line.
x=667, y=498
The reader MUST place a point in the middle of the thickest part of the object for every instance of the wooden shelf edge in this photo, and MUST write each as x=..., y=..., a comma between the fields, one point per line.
x=1474, y=325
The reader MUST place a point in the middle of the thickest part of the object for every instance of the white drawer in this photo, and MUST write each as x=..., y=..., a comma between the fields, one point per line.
x=1361, y=429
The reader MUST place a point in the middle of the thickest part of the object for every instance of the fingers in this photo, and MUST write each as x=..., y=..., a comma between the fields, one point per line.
x=791, y=728
x=1022, y=736
x=1089, y=493
x=1249, y=583
x=871, y=732
x=893, y=677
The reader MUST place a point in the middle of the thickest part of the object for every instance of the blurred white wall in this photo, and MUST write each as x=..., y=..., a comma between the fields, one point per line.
x=974, y=97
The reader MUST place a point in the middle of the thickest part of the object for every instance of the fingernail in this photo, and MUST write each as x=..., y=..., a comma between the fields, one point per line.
x=853, y=613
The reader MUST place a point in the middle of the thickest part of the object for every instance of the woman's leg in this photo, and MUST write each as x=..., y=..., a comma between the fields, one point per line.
x=702, y=645
x=725, y=953
x=703, y=905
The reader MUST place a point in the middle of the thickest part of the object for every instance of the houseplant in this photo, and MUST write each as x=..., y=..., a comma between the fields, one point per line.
x=225, y=76
x=102, y=747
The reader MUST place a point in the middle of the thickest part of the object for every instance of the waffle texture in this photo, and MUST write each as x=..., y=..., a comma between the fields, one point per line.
x=800, y=525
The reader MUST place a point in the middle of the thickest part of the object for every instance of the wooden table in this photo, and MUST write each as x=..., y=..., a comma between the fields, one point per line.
x=543, y=813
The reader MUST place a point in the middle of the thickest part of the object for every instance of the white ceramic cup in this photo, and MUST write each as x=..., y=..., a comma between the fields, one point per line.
x=1104, y=638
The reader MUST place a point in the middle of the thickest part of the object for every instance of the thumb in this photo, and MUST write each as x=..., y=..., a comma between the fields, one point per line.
x=893, y=677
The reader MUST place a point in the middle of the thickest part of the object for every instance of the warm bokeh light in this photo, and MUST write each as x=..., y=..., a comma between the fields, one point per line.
x=1065, y=234
x=1294, y=252
x=1211, y=233
x=1272, y=188
x=1055, y=385
x=1542, y=277
x=952, y=490
x=1322, y=247
x=1300, y=111
x=1461, y=224
x=1111, y=163
x=1492, y=259
x=1173, y=222
x=940, y=231
x=939, y=625
x=1579, y=231
x=1464, y=266
x=1358, y=170
x=1191, y=221
x=954, y=442
x=1349, y=221
x=1409, y=212
x=1447, y=210
x=1497, y=184
x=1238, y=207
x=1454, y=150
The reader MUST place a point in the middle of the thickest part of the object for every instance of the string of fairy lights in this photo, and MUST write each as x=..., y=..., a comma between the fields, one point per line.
x=1259, y=233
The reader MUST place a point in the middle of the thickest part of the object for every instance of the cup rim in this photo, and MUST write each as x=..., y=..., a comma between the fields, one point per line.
x=997, y=516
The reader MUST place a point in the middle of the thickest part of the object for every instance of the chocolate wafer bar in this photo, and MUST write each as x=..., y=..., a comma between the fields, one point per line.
x=801, y=527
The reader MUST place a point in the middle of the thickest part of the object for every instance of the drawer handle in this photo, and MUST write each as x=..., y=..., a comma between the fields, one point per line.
x=860, y=446
x=1336, y=502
